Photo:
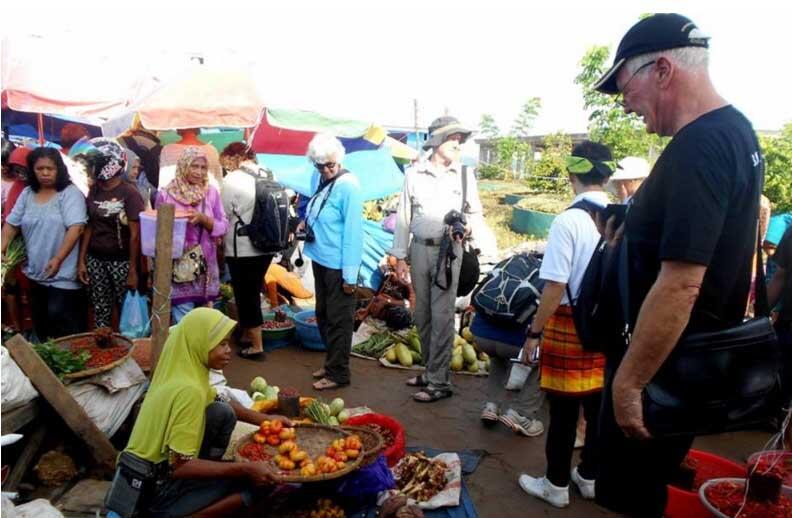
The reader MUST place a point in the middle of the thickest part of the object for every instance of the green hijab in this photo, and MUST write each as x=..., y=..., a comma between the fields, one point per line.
x=173, y=413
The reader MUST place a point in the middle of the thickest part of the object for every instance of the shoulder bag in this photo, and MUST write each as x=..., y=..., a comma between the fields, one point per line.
x=470, y=270
x=192, y=264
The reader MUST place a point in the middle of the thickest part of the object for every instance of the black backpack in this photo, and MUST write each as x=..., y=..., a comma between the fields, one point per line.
x=268, y=229
x=597, y=311
x=511, y=290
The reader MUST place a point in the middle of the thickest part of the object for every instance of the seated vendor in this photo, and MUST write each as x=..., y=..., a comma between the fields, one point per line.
x=184, y=428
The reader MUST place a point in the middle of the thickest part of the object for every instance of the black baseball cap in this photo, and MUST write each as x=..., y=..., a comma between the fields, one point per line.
x=661, y=31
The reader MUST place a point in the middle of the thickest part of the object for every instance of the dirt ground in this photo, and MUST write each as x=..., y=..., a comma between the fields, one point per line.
x=453, y=424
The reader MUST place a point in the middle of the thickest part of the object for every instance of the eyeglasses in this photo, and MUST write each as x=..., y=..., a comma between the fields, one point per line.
x=580, y=165
x=620, y=96
x=329, y=165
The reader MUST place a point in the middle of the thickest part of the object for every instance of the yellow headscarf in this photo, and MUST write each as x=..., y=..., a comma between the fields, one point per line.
x=173, y=413
x=180, y=187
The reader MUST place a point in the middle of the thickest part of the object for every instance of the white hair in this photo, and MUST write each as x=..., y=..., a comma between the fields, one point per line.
x=683, y=57
x=325, y=148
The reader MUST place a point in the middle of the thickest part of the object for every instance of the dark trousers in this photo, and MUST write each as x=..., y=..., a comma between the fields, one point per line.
x=247, y=279
x=784, y=333
x=633, y=474
x=335, y=316
x=564, y=412
x=56, y=312
x=184, y=497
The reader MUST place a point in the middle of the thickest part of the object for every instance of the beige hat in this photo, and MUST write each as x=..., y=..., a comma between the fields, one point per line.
x=631, y=168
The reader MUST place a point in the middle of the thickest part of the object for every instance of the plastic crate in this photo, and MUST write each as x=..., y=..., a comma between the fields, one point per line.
x=687, y=504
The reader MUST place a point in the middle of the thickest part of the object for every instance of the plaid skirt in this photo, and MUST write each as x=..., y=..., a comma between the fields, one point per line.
x=566, y=368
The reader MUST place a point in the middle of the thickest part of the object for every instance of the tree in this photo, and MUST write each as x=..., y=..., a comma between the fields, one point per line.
x=625, y=134
x=777, y=154
x=488, y=126
x=524, y=122
x=549, y=173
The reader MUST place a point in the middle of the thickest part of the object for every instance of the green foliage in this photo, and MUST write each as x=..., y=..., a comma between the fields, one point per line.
x=625, y=134
x=512, y=155
x=777, y=153
x=488, y=126
x=524, y=122
x=549, y=173
x=61, y=360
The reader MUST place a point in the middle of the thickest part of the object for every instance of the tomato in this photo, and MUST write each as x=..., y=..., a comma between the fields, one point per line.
x=273, y=440
x=276, y=427
x=260, y=439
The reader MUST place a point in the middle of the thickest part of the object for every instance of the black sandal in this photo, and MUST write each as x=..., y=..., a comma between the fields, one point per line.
x=248, y=355
x=417, y=381
x=432, y=395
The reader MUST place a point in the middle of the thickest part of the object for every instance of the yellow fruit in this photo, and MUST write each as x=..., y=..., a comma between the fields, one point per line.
x=467, y=334
x=286, y=447
x=297, y=455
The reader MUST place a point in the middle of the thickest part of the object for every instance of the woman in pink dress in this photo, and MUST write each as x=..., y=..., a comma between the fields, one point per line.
x=190, y=192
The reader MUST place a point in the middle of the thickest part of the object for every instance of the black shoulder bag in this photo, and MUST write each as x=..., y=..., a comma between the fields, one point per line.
x=717, y=381
x=470, y=270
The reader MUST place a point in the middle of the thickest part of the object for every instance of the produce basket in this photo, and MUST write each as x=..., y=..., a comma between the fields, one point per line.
x=276, y=338
x=89, y=339
x=687, y=504
x=373, y=443
x=786, y=491
x=309, y=331
x=314, y=440
x=395, y=450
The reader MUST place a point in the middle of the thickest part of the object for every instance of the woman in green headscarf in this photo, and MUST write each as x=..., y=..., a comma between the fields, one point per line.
x=184, y=429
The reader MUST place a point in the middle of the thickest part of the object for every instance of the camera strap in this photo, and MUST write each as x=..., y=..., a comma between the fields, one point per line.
x=322, y=186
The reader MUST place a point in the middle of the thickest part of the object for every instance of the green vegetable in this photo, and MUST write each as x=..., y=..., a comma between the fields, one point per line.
x=416, y=357
x=61, y=360
x=15, y=254
x=391, y=355
x=468, y=353
x=457, y=362
x=343, y=416
x=317, y=412
x=258, y=396
x=403, y=355
x=415, y=343
x=333, y=421
x=375, y=346
x=270, y=393
x=473, y=367
x=258, y=384
x=336, y=406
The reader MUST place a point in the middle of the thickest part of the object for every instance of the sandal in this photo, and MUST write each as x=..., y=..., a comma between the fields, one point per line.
x=327, y=384
x=319, y=373
x=417, y=381
x=249, y=354
x=429, y=395
x=490, y=413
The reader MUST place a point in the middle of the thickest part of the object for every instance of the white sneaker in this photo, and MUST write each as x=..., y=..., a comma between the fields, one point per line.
x=585, y=486
x=521, y=424
x=545, y=490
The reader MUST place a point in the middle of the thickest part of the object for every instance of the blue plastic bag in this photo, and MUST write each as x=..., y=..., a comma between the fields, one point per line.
x=134, y=316
x=363, y=485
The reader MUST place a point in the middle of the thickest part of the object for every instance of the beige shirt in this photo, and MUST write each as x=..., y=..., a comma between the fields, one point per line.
x=428, y=195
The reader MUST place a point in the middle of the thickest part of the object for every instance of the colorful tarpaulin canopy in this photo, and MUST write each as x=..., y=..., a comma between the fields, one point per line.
x=25, y=125
x=377, y=172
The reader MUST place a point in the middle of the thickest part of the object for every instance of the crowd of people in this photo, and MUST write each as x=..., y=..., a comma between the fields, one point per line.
x=689, y=235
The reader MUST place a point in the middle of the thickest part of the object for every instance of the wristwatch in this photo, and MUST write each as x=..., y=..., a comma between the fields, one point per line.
x=531, y=334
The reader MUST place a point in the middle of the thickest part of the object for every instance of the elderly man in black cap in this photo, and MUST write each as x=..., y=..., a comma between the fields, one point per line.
x=431, y=198
x=691, y=239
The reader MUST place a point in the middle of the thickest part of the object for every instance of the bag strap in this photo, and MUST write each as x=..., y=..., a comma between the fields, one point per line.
x=331, y=184
x=464, y=188
x=761, y=303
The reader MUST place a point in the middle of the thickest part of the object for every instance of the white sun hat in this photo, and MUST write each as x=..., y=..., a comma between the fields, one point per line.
x=631, y=168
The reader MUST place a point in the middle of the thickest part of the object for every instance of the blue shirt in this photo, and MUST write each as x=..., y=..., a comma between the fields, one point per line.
x=338, y=227
x=44, y=227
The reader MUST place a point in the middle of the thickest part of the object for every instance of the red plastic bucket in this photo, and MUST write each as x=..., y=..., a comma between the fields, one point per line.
x=686, y=504
x=395, y=452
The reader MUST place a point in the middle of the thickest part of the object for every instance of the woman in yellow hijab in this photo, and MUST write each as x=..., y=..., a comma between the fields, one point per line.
x=184, y=429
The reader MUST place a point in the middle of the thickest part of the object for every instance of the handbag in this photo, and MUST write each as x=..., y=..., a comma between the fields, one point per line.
x=470, y=269
x=717, y=381
x=192, y=264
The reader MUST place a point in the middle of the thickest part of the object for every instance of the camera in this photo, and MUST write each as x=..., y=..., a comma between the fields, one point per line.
x=456, y=220
x=308, y=234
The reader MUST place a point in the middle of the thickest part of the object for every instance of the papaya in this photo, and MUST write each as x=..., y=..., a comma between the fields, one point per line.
x=403, y=355
x=390, y=355
x=468, y=353
x=467, y=334
x=473, y=366
x=416, y=356
x=414, y=343
x=483, y=356
x=457, y=362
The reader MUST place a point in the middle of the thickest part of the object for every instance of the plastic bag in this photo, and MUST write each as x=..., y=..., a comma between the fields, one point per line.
x=16, y=387
x=365, y=483
x=134, y=316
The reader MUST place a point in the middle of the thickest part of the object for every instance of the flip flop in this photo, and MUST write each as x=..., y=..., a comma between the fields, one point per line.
x=428, y=395
x=328, y=384
x=417, y=381
x=248, y=355
x=319, y=374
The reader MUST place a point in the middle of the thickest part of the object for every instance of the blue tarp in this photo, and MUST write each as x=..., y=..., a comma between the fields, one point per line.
x=378, y=173
x=24, y=124
x=376, y=243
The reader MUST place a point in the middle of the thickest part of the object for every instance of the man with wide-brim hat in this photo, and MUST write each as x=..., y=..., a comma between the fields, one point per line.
x=690, y=235
x=432, y=189
x=630, y=173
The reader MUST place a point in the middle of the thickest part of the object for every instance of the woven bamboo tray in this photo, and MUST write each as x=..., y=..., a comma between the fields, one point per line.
x=117, y=340
x=373, y=443
x=314, y=440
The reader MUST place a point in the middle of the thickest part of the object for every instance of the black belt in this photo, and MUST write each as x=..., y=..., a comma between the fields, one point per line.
x=428, y=242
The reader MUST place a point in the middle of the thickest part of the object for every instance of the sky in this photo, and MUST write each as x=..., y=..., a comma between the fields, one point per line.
x=372, y=60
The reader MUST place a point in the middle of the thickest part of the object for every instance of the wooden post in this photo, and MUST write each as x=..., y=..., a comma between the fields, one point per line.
x=163, y=271
x=51, y=388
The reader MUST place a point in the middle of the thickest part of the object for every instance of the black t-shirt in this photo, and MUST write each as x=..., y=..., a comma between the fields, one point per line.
x=109, y=214
x=700, y=205
x=783, y=258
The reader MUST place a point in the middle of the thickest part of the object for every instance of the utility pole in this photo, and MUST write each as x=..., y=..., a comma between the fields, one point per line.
x=415, y=123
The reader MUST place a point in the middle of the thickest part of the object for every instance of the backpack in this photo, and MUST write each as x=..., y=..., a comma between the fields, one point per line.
x=597, y=310
x=511, y=290
x=268, y=229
